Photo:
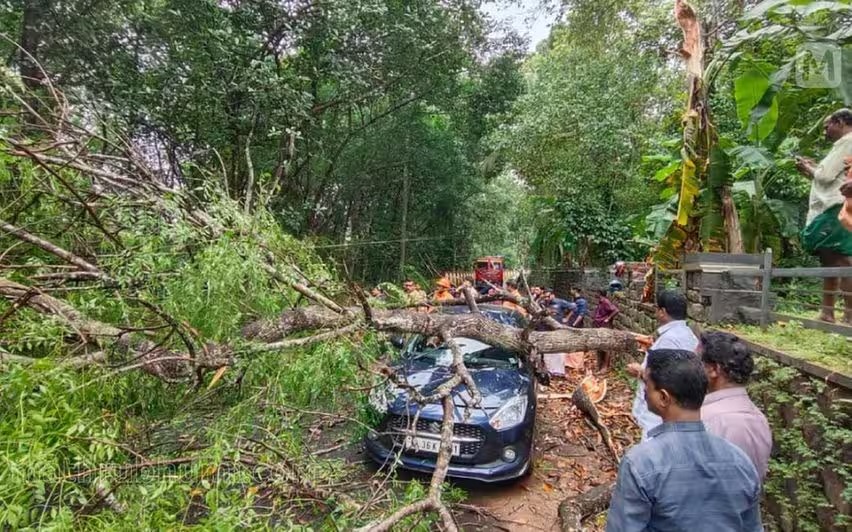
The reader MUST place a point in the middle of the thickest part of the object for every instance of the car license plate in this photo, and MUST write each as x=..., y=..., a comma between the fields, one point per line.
x=428, y=445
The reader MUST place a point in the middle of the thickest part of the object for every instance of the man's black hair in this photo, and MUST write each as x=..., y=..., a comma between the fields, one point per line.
x=732, y=355
x=674, y=303
x=680, y=373
x=842, y=116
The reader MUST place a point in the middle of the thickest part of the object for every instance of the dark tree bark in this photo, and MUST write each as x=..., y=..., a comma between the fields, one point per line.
x=31, y=38
x=573, y=510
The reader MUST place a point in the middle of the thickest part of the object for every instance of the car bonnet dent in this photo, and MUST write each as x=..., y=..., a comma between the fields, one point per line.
x=495, y=385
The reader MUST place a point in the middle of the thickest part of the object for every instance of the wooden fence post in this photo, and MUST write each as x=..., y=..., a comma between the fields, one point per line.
x=765, y=287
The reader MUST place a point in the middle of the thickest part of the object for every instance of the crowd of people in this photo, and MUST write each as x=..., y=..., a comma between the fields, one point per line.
x=572, y=311
x=705, y=445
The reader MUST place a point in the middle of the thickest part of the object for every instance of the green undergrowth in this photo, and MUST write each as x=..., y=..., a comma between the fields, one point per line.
x=811, y=433
x=102, y=448
x=65, y=432
x=831, y=351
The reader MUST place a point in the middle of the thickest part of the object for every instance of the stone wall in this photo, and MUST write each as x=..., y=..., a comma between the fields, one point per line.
x=809, y=485
x=635, y=315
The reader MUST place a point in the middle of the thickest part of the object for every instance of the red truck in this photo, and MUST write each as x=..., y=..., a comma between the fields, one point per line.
x=488, y=270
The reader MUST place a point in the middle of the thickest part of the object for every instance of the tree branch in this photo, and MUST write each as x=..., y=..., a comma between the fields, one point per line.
x=53, y=249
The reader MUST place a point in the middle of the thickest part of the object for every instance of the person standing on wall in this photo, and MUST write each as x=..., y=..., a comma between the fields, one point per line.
x=824, y=236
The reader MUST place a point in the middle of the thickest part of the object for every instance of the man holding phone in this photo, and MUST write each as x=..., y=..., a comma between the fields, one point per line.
x=824, y=236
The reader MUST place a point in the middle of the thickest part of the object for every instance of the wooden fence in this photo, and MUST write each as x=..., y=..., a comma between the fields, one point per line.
x=760, y=268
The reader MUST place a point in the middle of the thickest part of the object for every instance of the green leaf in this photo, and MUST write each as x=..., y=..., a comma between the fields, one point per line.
x=763, y=8
x=656, y=158
x=816, y=7
x=663, y=173
x=746, y=187
x=659, y=220
x=757, y=107
x=751, y=156
x=712, y=224
x=786, y=214
x=720, y=168
x=768, y=104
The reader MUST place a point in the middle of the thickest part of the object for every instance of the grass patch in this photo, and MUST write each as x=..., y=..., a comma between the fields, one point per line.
x=831, y=351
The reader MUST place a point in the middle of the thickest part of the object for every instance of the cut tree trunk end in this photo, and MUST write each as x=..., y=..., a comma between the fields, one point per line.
x=573, y=510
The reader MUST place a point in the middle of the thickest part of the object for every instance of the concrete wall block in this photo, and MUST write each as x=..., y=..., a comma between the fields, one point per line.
x=697, y=312
x=725, y=306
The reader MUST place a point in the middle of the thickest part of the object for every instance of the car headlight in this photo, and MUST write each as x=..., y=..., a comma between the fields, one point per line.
x=510, y=414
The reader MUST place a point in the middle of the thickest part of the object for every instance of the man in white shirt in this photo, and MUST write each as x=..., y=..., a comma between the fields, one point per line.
x=673, y=333
x=824, y=236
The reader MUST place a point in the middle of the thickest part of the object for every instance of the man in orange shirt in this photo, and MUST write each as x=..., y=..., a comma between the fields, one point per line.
x=512, y=290
x=442, y=290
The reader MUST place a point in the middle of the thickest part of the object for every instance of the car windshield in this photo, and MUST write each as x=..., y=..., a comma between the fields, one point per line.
x=477, y=355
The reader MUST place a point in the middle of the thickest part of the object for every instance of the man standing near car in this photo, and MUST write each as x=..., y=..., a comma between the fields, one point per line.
x=442, y=290
x=683, y=477
x=512, y=290
x=728, y=411
x=673, y=333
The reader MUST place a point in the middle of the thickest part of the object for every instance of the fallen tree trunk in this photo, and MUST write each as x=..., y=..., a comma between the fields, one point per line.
x=472, y=325
x=587, y=407
x=573, y=510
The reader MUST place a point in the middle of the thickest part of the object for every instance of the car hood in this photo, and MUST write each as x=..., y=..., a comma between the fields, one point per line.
x=496, y=385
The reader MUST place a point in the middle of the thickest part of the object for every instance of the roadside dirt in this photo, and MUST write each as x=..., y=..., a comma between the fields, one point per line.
x=570, y=458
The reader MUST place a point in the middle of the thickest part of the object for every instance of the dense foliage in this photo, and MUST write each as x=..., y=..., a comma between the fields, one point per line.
x=356, y=124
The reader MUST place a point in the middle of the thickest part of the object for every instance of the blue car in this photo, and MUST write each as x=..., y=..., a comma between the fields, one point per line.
x=491, y=443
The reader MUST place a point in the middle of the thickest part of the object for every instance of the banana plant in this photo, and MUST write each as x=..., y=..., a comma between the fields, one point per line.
x=709, y=200
x=765, y=220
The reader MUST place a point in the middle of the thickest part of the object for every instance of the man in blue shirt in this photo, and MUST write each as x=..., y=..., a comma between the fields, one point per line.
x=683, y=477
x=575, y=319
x=558, y=307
